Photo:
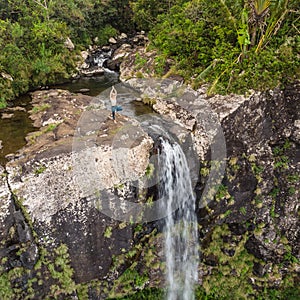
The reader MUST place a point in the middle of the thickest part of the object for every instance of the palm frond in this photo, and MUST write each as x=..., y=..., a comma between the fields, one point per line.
x=261, y=7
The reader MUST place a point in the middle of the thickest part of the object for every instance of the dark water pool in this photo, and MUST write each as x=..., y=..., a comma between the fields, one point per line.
x=95, y=85
x=15, y=124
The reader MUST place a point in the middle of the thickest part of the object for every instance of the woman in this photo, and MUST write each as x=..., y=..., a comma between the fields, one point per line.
x=113, y=100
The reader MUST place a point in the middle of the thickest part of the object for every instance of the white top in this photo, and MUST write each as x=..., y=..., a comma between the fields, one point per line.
x=113, y=96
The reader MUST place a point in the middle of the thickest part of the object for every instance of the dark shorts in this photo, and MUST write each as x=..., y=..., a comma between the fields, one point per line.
x=116, y=108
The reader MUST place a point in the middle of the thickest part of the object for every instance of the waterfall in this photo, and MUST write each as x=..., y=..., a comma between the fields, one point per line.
x=101, y=57
x=180, y=230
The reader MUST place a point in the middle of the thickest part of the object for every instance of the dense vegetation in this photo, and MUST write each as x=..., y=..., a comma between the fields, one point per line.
x=235, y=45
x=33, y=35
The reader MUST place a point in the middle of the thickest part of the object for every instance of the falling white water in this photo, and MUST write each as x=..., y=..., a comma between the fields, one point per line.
x=101, y=58
x=181, y=239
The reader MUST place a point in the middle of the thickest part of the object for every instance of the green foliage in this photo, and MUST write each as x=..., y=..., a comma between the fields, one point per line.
x=129, y=281
x=230, y=278
x=108, y=232
x=33, y=35
x=40, y=108
x=222, y=284
x=104, y=35
x=243, y=210
x=33, y=51
x=40, y=170
x=146, y=12
x=3, y=103
x=140, y=61
x=145, y=294
x=230, y=44
x=62, y=270
x=280, y=158
x=222, y=193
x=290, y=293
x=6, y=292
x=150, y=170
x=243, y=32
x=291, y=258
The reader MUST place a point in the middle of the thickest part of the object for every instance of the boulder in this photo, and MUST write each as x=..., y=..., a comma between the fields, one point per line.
x=6, y=116
x=123, y=36
x=69, y=44
x=112, y=40
x=118, y=56
x=58, y=213
x=6, y=76
x=95, y=71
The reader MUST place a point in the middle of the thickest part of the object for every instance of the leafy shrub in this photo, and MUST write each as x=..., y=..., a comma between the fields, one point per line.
x=230, y=44
x=105, y=33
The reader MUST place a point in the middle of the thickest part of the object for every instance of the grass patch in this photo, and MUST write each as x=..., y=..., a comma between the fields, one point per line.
x=40, y=108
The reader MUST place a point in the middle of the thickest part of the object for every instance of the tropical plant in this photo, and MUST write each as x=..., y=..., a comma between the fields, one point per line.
x=259, y=12
x=146, y=12
x=235, y=45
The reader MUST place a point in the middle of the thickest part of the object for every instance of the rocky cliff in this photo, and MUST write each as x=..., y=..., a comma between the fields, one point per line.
x=54, y=236
x=57, y=242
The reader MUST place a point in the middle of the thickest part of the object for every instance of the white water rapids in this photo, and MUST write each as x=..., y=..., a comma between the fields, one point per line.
x=181, y=238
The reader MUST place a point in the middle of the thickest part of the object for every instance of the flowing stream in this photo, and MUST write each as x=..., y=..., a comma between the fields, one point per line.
x=181, y=238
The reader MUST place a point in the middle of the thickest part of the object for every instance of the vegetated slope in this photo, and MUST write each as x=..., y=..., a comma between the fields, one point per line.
x=234, y=45
x=33, y=39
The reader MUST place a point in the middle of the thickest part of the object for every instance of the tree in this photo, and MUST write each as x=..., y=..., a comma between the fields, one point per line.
x=146, y=12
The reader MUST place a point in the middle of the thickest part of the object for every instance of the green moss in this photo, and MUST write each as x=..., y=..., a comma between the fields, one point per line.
x=145, y=294
x=135, y=277
x=204, y=171
x=40, y=108
x=123, y=225
x=226, y=214
x=293, y=178
x=3, y=103
x=140, y=61
x=222, y=193
x=222, y=282
x=139, y=74
x=48, y=128
x=243, y=210
x=62, y=271
x=40, y=170
x=149, y=201
x=82, y=291
x=149, y=101
x=108, y=232
x=230, y=279
x=288, y=256
x=149, y=171
x=6, y=291
x=128, y=282
x=19, y=204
